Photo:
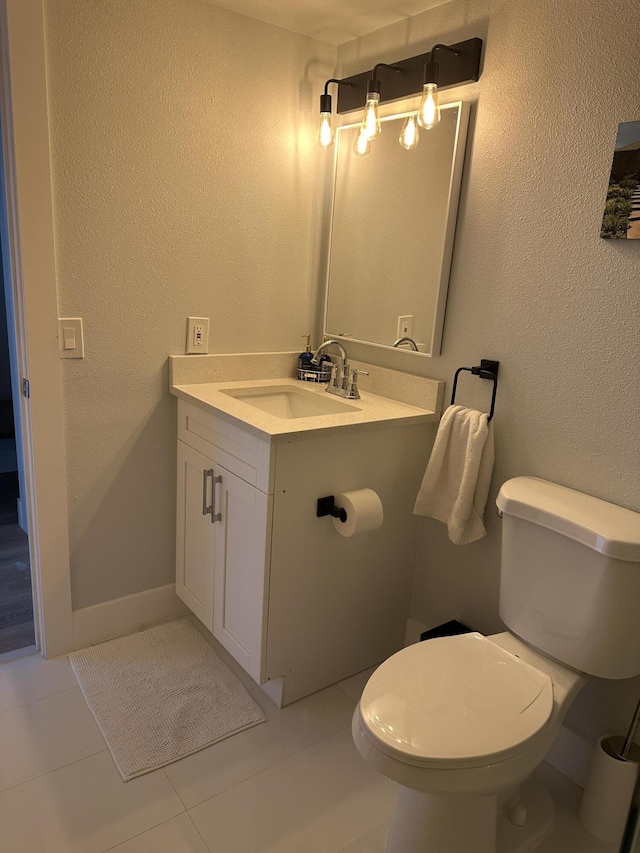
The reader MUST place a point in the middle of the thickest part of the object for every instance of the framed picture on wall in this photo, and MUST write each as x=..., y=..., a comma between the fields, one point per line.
x=621, y=218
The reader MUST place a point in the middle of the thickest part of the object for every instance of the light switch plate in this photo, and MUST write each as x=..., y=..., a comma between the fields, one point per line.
x=70, y=337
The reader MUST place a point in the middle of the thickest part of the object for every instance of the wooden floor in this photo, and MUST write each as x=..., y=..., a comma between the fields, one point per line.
x=16, y=606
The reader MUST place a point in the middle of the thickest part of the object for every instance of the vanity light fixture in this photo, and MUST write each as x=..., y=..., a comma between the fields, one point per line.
x=370, y=126
x=326, y=133
x=457, y=64
x=429, y=110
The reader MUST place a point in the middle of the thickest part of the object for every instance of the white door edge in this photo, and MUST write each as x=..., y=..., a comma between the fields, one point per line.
x=28, y=250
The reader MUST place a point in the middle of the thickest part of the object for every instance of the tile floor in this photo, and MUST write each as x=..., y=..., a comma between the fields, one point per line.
x=294, y=784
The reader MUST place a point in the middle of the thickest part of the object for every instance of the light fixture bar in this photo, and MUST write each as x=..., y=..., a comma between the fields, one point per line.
x=454, y=70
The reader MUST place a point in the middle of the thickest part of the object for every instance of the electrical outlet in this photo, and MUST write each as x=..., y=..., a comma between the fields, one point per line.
x=405, y=326
x=197, y=334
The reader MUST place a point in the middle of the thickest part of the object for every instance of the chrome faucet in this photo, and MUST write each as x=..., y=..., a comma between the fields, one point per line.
x=321, y=349
x=344, y=379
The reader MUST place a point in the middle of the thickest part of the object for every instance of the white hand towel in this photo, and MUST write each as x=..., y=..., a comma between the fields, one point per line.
x=456, y=483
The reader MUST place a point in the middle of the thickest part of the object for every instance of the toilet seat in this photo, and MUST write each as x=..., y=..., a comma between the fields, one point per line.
x=455, y=702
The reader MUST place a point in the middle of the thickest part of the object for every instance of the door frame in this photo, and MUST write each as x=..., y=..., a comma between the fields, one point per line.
x=28, y=254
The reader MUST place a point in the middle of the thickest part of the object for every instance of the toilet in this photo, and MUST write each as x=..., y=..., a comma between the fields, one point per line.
x=461, y=723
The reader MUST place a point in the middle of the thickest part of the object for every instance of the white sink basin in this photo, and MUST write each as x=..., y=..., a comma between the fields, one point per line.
x=287, y=402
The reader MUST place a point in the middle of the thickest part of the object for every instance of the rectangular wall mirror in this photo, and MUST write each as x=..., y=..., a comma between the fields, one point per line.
x=392, y=231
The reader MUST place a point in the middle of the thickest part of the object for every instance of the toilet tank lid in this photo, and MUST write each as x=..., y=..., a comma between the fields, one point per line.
x=603, y=526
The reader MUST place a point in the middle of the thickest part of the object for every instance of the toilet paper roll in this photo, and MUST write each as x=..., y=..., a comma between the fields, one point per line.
x=364, y=512
x=608, y=790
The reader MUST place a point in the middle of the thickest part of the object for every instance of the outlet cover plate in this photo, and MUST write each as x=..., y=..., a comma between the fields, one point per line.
x=197, y=335
x=405, y=326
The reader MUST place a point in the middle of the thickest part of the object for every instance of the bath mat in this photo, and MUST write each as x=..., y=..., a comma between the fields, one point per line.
x=161, y=694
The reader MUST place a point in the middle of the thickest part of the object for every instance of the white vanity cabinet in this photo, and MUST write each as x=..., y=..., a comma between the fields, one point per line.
x=223, y=532
x=196, y=534
x=295, y=603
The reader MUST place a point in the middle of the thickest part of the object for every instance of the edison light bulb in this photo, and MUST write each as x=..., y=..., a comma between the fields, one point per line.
x=325, y=131
x=370, y=126
x=362, y=145
x=429, y=111
x=410, y=133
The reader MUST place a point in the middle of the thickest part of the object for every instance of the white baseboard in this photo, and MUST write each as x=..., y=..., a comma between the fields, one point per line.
x=122, y=616
x=570, y=753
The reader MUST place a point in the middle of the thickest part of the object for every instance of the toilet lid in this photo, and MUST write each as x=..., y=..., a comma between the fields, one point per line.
x=460, y=700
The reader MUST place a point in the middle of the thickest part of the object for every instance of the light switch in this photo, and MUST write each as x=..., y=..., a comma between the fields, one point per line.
x=70, y=337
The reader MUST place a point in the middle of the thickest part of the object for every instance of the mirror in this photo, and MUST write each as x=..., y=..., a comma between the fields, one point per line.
x=392, y=230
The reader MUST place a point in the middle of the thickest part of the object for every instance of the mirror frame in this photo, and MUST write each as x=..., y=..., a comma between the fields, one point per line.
x=451, y=215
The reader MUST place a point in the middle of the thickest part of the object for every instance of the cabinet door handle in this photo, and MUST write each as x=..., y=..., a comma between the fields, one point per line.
x=215, y=516
x=208, y=472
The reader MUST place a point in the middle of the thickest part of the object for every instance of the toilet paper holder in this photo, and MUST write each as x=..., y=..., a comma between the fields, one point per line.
x=327, y=506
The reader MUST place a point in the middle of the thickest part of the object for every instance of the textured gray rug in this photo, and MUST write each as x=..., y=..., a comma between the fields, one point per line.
x=161, y=694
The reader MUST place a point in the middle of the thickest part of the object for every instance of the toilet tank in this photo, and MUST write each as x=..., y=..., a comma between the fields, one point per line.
x=570, y=576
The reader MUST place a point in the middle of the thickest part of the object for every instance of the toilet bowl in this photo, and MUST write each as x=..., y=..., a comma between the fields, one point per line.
x=460, y=722
x=465, y=714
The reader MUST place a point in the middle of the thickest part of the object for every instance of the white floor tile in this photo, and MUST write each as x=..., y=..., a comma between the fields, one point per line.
x=46, y=735
x=26, y=679
x=178, y=835
x=83, y=808
x=317, y=801
x=568, y=836
x=354, y=685
x=372, y=842
x=286, y=732
x=292, y=784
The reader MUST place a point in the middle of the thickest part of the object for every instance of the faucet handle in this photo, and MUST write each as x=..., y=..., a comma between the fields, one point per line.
x=352, y=391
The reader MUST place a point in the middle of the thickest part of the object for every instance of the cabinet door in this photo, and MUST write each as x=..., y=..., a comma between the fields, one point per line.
x=242, y=546
x=196, y=533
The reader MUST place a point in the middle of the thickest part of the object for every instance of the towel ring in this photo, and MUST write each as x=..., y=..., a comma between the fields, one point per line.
x=487, y=369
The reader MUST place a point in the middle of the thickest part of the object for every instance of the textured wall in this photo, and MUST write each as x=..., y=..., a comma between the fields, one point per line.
x=532, y=283
x=163, y=209
x=175, y=193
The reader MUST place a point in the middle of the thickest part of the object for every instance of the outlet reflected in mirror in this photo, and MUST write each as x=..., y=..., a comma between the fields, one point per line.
x=392, y=231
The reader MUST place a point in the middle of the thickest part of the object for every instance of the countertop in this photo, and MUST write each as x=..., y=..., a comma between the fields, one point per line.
x=369, y=412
